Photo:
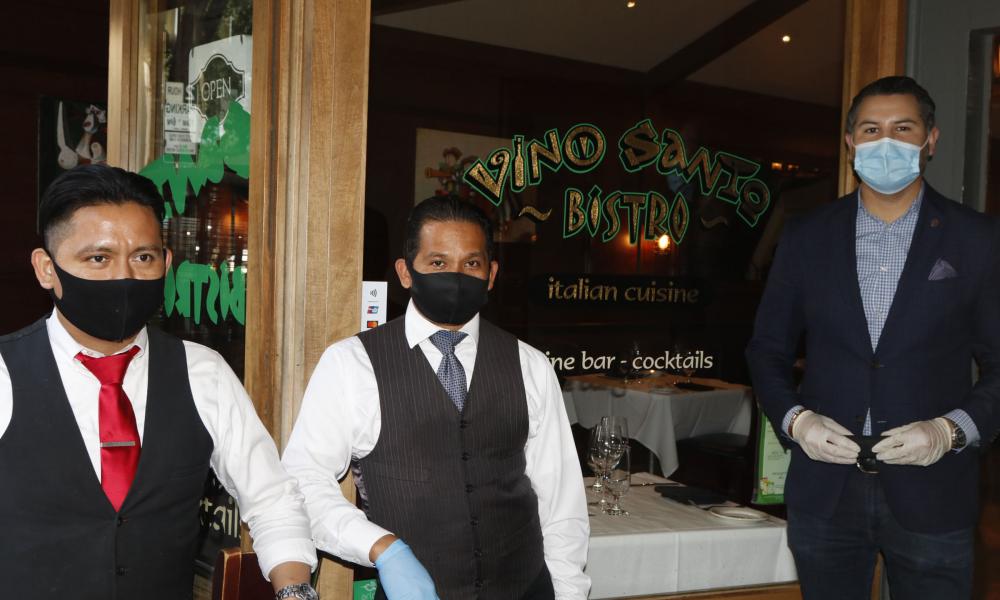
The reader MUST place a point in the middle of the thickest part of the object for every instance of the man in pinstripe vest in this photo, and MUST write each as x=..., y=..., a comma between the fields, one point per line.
x=456, y=432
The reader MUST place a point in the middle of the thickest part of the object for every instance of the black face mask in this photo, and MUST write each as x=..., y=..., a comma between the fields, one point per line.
x=448, y=298
x=109, y=309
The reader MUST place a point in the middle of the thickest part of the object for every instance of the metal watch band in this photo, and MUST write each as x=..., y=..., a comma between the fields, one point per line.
x=301, y=591
x=795, y=417
x=958, y=440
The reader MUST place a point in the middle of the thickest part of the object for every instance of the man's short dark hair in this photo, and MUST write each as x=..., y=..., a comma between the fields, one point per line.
x=444, y=208
x=887, y=86
x=91, y=185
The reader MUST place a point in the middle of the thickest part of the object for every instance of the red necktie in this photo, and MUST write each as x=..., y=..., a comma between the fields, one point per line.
x=119, y=434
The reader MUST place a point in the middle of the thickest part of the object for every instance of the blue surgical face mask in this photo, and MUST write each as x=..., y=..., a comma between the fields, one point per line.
x=887, y=165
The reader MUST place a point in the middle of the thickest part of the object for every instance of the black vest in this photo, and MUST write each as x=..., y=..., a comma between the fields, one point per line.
x=59, y=535
x=450, y=484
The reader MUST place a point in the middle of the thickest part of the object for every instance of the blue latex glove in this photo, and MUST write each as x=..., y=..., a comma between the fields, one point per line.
x=402, y=576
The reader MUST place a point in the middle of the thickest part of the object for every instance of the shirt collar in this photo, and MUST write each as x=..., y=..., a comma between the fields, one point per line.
x=910, y=212
x=65, y=347
x=418, y=328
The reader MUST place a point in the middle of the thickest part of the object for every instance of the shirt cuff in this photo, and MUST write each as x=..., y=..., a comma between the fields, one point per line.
x=788, y=420
x=964, y=422
x=276, y=552
x=358, y=537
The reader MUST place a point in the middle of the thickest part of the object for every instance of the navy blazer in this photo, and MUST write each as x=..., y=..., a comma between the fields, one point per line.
x=941, y=318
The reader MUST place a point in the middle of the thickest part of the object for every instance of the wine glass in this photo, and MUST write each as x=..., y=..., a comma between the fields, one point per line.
x=597, y=457
x=617, y=482
x=617, y=428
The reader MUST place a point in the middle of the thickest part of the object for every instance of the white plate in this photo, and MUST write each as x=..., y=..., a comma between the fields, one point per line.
x=738, y=513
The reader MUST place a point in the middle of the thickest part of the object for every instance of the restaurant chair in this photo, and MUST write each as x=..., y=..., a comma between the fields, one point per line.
x=721, y=462
x=237, y=577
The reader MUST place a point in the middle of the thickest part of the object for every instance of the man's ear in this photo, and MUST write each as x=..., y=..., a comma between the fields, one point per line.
x=932, y=139
x=45, y=272
x=168, y=259
x=403, y=273
x=494, y=267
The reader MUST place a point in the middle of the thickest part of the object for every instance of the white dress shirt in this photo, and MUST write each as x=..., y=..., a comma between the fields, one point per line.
x=340, y=419
x=244, y=456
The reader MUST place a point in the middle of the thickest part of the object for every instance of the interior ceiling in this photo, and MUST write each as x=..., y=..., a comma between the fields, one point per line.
x=606, y=32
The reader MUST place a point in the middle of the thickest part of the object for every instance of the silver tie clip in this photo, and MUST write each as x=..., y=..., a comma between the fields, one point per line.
x=116, y=444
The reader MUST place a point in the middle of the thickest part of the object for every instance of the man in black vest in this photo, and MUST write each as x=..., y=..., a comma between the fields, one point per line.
x=456, y=432
x=108, y=428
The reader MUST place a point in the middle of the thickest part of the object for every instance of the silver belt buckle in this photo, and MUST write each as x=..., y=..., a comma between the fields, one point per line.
x=867, y=465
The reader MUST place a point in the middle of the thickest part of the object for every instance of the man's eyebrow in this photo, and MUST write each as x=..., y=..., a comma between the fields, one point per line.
x=103, y=247
x=895, y=121
x=98, y=247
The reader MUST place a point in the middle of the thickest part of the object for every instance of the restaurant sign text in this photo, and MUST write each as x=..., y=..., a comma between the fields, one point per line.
x=601, y=214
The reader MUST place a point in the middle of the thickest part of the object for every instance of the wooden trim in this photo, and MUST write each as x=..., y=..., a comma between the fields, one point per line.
x=874, y=47
x=307, y=174
x=123, y=49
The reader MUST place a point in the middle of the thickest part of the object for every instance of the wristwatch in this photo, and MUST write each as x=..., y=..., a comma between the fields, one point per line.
x=301, y=591
x=958, y=440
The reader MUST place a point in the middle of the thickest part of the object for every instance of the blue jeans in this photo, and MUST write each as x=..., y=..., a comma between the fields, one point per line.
x=835, y=557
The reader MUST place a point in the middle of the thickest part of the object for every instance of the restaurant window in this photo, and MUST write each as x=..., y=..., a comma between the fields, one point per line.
x=637, y=162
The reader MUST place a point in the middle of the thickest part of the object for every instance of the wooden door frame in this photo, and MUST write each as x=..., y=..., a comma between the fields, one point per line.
x=874, y=47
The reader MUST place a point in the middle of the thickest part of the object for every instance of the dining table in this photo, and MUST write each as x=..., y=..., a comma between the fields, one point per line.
x=660, y=408
x=665, y=547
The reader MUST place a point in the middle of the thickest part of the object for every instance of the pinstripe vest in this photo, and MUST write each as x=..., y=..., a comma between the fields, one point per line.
x=450, y=484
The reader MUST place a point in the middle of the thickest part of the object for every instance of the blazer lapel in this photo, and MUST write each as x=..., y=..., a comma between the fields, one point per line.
x=924, y=250
x=845, y=265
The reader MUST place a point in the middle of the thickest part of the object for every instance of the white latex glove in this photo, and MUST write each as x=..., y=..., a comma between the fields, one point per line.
x=922, y=443
x=823, y=439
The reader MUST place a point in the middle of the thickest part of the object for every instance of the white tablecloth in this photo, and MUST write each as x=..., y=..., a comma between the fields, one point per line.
x=658, y=415
x=665, y=547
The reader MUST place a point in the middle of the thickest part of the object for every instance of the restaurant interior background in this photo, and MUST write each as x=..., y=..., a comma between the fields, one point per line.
x=452, y=82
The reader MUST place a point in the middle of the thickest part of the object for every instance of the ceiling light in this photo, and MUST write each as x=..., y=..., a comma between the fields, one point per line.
x=631, y=4
x=786, y=38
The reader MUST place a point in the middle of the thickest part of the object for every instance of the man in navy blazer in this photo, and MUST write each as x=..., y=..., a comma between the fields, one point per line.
x=891, y=291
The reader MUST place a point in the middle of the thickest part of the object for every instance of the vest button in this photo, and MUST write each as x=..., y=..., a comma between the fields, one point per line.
x=477, y=553
x=122, y=571
x=469, y=487
x=478, y=583
x=463, y=423
x=474, y=522
x=466, y=456
x=120, y=521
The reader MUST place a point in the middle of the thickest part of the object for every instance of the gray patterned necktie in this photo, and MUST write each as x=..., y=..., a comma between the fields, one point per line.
x=450, y=371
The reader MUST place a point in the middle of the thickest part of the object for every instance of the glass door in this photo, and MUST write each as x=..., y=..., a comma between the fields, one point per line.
x=192, y=135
